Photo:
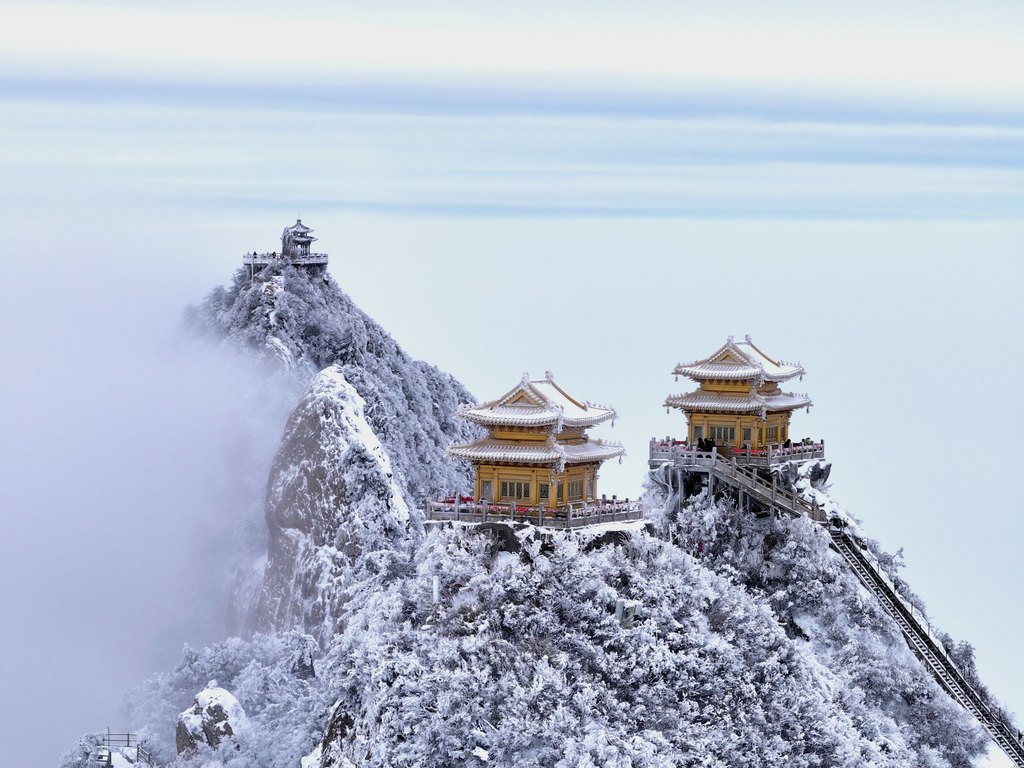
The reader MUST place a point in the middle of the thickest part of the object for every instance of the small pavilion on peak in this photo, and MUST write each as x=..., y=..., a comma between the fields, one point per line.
x=739, y=403
x=295, y=250
x=295, y=240
x=537, y=452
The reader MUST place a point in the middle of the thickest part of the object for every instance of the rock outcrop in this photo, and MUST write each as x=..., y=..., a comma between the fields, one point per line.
x=215, y=717
x=332, y=496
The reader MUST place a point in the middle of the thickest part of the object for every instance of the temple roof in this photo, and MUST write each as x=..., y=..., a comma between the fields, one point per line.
x=537, y=403
x=739, y=361
x=713, y=402
x=551, y=452
x=298, y=233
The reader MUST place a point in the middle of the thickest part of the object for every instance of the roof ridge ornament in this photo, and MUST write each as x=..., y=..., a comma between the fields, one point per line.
x=526, y=378
x=549, y=376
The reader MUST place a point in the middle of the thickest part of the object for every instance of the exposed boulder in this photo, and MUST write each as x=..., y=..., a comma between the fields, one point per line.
x=215, y=717
x=791, y=473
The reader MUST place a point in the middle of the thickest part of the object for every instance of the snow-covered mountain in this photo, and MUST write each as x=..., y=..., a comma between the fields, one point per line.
x=386, y=642
x=300, y=319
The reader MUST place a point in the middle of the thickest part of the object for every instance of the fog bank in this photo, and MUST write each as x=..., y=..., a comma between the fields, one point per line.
x=131, y=457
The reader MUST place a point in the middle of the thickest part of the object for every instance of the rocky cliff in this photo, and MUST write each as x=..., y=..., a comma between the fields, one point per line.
x=331, y=498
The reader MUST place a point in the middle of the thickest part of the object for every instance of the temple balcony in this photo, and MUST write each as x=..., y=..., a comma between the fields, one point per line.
x=681, y=454
x=581, y=514
x=267, y=259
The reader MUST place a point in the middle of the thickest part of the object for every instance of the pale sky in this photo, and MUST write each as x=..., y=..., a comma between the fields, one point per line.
x=626, y=184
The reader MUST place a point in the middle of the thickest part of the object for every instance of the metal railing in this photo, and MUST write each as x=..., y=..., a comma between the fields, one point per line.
x=926, y=645
x=128, y=744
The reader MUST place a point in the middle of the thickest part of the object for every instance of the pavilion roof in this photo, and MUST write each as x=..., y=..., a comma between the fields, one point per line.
x=739, y=361
x=550, y=453
x=713, y=402
x=537, y=403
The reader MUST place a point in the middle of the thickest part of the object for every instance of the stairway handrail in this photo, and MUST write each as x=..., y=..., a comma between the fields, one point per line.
x=942, y=664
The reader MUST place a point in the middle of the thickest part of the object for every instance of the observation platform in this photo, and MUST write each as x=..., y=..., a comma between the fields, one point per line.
x=281, y=259
x=681, y=454
x=464, y=509
x=295, y=250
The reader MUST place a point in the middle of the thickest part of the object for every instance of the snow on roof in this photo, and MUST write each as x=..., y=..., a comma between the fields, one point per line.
x=739, y=361
x=550, y=452
x=714, y=402
x=537, y=403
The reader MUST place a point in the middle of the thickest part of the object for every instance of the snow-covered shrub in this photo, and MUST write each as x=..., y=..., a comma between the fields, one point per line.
x=523, y=659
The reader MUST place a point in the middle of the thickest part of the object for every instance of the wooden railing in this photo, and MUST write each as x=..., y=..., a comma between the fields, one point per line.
x=573, y=515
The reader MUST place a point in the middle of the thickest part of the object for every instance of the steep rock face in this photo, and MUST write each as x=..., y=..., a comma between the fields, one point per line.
x=300, y=319
x=331, y=498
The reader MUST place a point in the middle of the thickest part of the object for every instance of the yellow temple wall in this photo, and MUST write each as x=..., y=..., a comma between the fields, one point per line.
x=536, y=435
x=584, y=474
x=728, y=387
x=759, y=430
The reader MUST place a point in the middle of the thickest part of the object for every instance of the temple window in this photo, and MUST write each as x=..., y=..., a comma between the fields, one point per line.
x=575, y=489
x=723, y=434
x=545, y=491
x=515, y=490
